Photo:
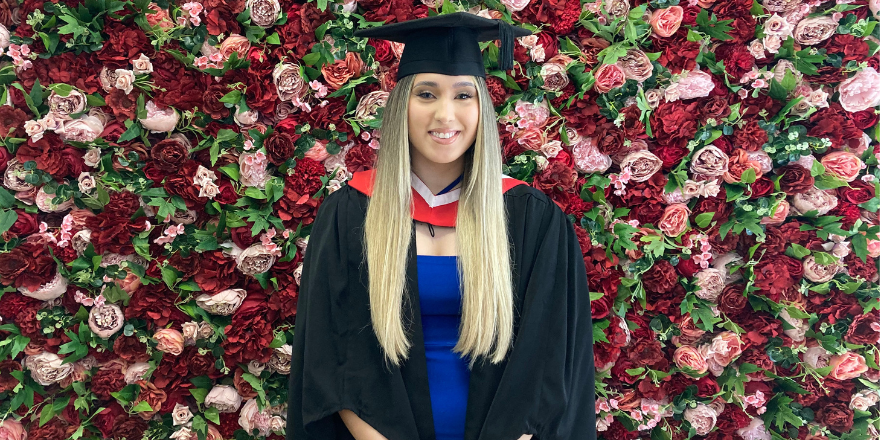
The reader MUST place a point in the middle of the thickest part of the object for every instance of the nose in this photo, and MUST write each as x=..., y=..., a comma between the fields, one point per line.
x=445, y=111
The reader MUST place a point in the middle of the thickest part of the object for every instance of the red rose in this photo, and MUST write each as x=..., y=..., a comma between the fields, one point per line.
x=776, y=273
x=182, y=184
x=834, y=123
x=602, y=307
x=860, y=331
x=12, y=119
x=549, y=41
x=675, y=122
x=122, y=204
x=849, y=47
x=124, y=43
x=717, y=204
x=661, y=277
x=220, y=19
x=563, y=21
x=837, y=416
x=155, y=303
x=497, y=91
x=331, y=113
x=687, y=267
x=762, y=187
x=795, y=179
x=295, y=208
x=737, y=59
x=671, y=155
x=113, y=233
x=218, y=272
x=244, y=388
x=556, y=175
x=7, y=382
x=865, y=119
x=860, y=192
x=249, y=335
x=750, y=137
x=306, y=177
x=55, y=428
x=676, y=52
x=645, y=352
x=360, y=158
x=848, y=211
x=106, y=381
x=384, y=54
x=280, y=147
x=26, y=224
x=858, y=268
x=609, y=139
x=293, y=37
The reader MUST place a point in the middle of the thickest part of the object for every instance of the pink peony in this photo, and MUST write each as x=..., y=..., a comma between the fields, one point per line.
x=847, y=366
x=860, y=91
x=666, y=22
x=608, y=76
x=11, y=429
x=697, y=84
x=843, y=164
x=170, y=341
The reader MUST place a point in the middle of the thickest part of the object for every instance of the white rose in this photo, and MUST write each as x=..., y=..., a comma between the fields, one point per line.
x=223, y=397
x=181, y=414
x=142, y=65
x=224, y=303
x=85, y=129
x=125, y=80
x=159, y=120
x=136, y=372
x=702, y=418
x=47, y=368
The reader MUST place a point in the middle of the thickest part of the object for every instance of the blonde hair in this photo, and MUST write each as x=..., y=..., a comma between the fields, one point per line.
x=484, y=258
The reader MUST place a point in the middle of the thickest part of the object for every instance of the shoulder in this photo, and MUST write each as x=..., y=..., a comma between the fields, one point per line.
x=525, y=195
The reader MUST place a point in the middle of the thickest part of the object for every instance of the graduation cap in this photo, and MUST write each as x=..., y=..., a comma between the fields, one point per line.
x=447, y=44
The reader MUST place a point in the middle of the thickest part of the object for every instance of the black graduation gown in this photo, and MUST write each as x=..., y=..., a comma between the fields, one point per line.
x=545, y=386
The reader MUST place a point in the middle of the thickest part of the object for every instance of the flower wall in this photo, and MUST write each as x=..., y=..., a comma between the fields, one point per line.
x=163, y=163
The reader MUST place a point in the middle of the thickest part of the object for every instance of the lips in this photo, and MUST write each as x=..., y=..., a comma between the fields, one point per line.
x=444, y=140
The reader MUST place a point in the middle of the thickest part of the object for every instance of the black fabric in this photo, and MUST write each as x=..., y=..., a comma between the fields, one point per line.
x=448, y=43
x=545, y=386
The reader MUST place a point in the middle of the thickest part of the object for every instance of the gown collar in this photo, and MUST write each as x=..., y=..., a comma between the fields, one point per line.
x=438, y=210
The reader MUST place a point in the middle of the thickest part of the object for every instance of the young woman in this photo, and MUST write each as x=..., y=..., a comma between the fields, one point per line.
x=440, y=299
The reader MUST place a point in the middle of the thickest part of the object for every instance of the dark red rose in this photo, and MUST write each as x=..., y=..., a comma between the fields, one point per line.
x=244, y=388
x=865, y=119
x=123, y=105
x=249, y=335
x=497, y=91
x=860, y=192
x=762, y=187
x=550, y=42
x=848, y=211
x=671, y=155
x=218, y=272
x=563, y=21
x=860, y=331
x=687, y=267
x=743, y=29
x=182, y=184
x=280, y=147
x=361, y=157
x=322, y=117
x=123, y=204
x=776, y=273
x=384, y=54
x=737, y=59
x=720, y=246
x=112, y=233
x=850, y=47
x=293, y=37
x=609, y=139
x=795, y=179
x=732, y=418
x=106, y=381
x=294, y=208
x=583, y=115
x=169, y=154
x=130, y=349
x=661, y=277
x=675, y=122
x=124, y=42
x=676, y=52
x=648, y=212
x=213, y=106
x=227, y=194
x=707, y=386
x=29, y=265
x=54, y=429
x=717, y=204
x=306, y=177
x=602, y=307
x=7, y=382
x=556, y=175
x=837, y=416
x=858, y=268
x=645, y=352
x=26, y=224
x=156, y=303
x=220, y=19
x=834, y=123
x=750, y=137
x=12, y=121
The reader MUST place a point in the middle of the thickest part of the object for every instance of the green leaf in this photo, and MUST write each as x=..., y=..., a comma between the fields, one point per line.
x=703, y=220
x=311, y=59
x=799, y=251
x=142, y=406
x=199, y=394
x=273, y=39
x=213, y=414
x=7, y=219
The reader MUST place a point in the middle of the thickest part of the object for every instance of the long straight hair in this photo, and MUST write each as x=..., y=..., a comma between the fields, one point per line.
x=486, y=328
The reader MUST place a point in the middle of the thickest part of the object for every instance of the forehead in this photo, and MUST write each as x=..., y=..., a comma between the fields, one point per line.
x=440, y=80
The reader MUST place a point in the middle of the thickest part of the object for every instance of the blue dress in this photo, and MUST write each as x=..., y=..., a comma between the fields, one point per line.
x=448, y=375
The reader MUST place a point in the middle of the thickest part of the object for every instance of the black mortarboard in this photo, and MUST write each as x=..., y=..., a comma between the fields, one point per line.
x=447, y=44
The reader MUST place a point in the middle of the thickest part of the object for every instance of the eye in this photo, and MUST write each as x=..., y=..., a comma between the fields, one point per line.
x=466, y=95
x=422, y=95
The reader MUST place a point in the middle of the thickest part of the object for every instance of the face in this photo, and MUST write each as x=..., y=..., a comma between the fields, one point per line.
x=444, y=113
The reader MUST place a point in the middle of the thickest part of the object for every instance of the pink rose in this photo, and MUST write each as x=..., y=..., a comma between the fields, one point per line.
x=11, y=429
x=702, y=418
x=874, y=248
x=252, y=169
x=843, y=164
x=697, y=84
x=515, y=5
x=318, y=152
x=588, y=158
x=106, y=320
x=636, y=65
x=847, y=366
x=170, y=341
x=723, y=349
x=674, y=219
x=690, y=361
x=779, y=216
x=860, y=91
x=531, y=138
x=666, y=22
x=608, y=76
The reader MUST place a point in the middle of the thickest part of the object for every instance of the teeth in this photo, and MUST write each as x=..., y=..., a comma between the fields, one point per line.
x=443, y=135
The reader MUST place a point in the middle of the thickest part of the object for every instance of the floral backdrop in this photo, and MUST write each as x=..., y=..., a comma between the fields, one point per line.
x=163, y=164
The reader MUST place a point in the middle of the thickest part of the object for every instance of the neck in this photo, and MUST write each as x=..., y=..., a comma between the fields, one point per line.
x=438, y=176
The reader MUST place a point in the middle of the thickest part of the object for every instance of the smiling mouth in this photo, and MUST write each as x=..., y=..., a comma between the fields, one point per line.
x=443, y=134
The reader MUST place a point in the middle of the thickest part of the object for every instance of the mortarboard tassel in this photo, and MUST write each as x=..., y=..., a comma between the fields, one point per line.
x=505, y=34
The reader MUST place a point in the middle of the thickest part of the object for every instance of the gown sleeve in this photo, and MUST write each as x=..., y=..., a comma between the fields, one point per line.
x=567, y=403
x=316, y=390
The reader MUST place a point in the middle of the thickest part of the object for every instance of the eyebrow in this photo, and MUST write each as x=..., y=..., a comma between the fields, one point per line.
x=433, y=84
